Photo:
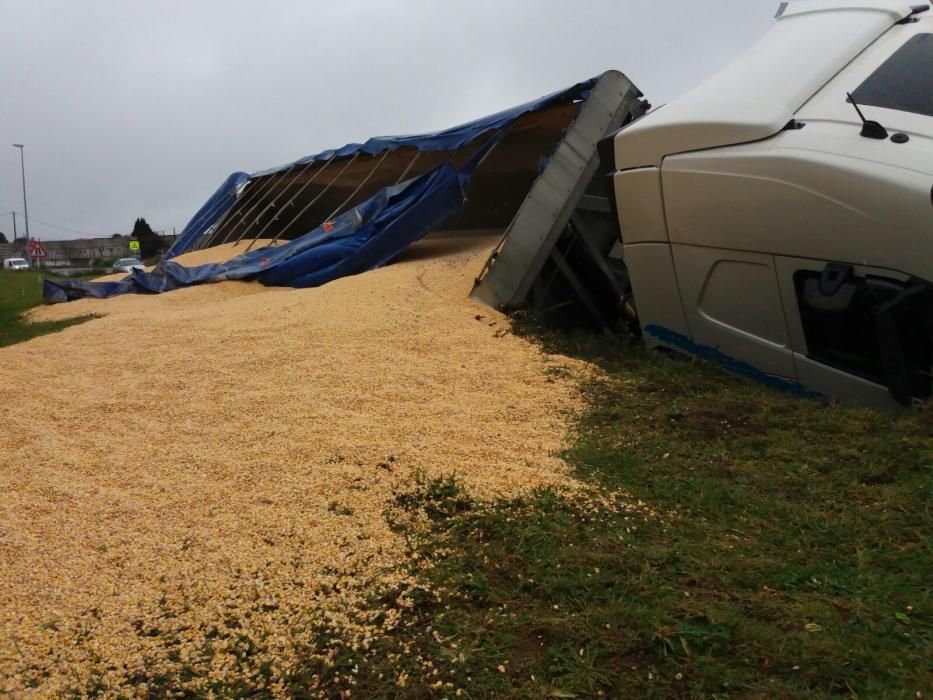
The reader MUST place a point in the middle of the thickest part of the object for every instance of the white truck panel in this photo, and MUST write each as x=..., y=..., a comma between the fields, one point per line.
x=757, y=95
x=717, y=287
x=651, y=268
x=638, y=194
x=804, y=203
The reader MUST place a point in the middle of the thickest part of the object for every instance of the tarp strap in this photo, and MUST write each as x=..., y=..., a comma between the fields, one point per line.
x=336, y=211
x=284, y=207
x=317, y=197
x=243, y=209
x=408, y=167
x=236, y=210
x=291, y=199
x=258, y=200
x=483, y=152
x=266, y=200
x=288, y=204
x=358, y=188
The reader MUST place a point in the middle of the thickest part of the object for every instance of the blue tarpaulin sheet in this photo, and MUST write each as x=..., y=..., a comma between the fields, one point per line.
x=366, y=237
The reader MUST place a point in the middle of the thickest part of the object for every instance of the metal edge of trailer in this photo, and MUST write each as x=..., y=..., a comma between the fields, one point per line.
x=528, y=242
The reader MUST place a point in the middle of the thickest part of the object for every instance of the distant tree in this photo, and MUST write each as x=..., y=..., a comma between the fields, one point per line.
x=117, y=235
x=149, y=242
x=3, y=237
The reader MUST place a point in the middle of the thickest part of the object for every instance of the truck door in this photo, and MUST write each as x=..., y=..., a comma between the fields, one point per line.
x=733, y=304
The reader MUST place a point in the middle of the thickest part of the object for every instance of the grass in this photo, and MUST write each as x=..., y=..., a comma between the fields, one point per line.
x=19, y=292
x=782, y=551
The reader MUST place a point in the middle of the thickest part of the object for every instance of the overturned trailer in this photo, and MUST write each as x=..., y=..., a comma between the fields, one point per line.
x=352, y=209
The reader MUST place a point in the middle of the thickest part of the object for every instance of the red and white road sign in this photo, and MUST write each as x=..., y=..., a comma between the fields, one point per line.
x=36, y=250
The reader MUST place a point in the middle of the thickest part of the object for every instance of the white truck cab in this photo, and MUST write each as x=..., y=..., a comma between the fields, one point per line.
x=766, y=226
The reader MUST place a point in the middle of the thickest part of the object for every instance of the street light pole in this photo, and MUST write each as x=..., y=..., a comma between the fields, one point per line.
x=22, y=165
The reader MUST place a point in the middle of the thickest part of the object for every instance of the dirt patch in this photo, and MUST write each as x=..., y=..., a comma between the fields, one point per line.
x=725, y=419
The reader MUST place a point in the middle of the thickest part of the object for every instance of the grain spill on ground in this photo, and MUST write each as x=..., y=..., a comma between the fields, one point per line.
x=195, y=483
x=217, y=253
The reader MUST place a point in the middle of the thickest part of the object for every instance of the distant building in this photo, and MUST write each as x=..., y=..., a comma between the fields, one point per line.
x=80, y=254
x=83, y=252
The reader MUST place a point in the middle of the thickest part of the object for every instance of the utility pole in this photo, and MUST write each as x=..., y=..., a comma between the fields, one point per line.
x=22, y=165
x=14, y=227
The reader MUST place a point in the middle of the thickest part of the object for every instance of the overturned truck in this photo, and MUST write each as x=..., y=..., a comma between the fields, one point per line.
x=763, y=221
x=777, y=220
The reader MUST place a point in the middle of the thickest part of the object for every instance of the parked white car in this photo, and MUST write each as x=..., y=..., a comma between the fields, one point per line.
x=15, y=264
x=127, y=265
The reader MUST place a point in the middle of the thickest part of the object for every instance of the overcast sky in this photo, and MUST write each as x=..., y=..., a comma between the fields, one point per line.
x=131, y=108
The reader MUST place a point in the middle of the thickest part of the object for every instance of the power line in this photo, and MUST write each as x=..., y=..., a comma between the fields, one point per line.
x=55, y=226
x=63, y=228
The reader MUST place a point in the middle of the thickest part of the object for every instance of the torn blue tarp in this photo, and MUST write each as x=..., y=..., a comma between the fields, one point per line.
x=366, y=237
x=369, y=235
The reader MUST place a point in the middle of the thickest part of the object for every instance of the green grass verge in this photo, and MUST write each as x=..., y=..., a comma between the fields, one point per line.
x=788, y=556
x=19, y=292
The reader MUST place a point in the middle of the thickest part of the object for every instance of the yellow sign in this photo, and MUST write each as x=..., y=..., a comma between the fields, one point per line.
x=134, y=245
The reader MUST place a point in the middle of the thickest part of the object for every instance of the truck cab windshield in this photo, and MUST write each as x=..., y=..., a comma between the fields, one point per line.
x=905, y=81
